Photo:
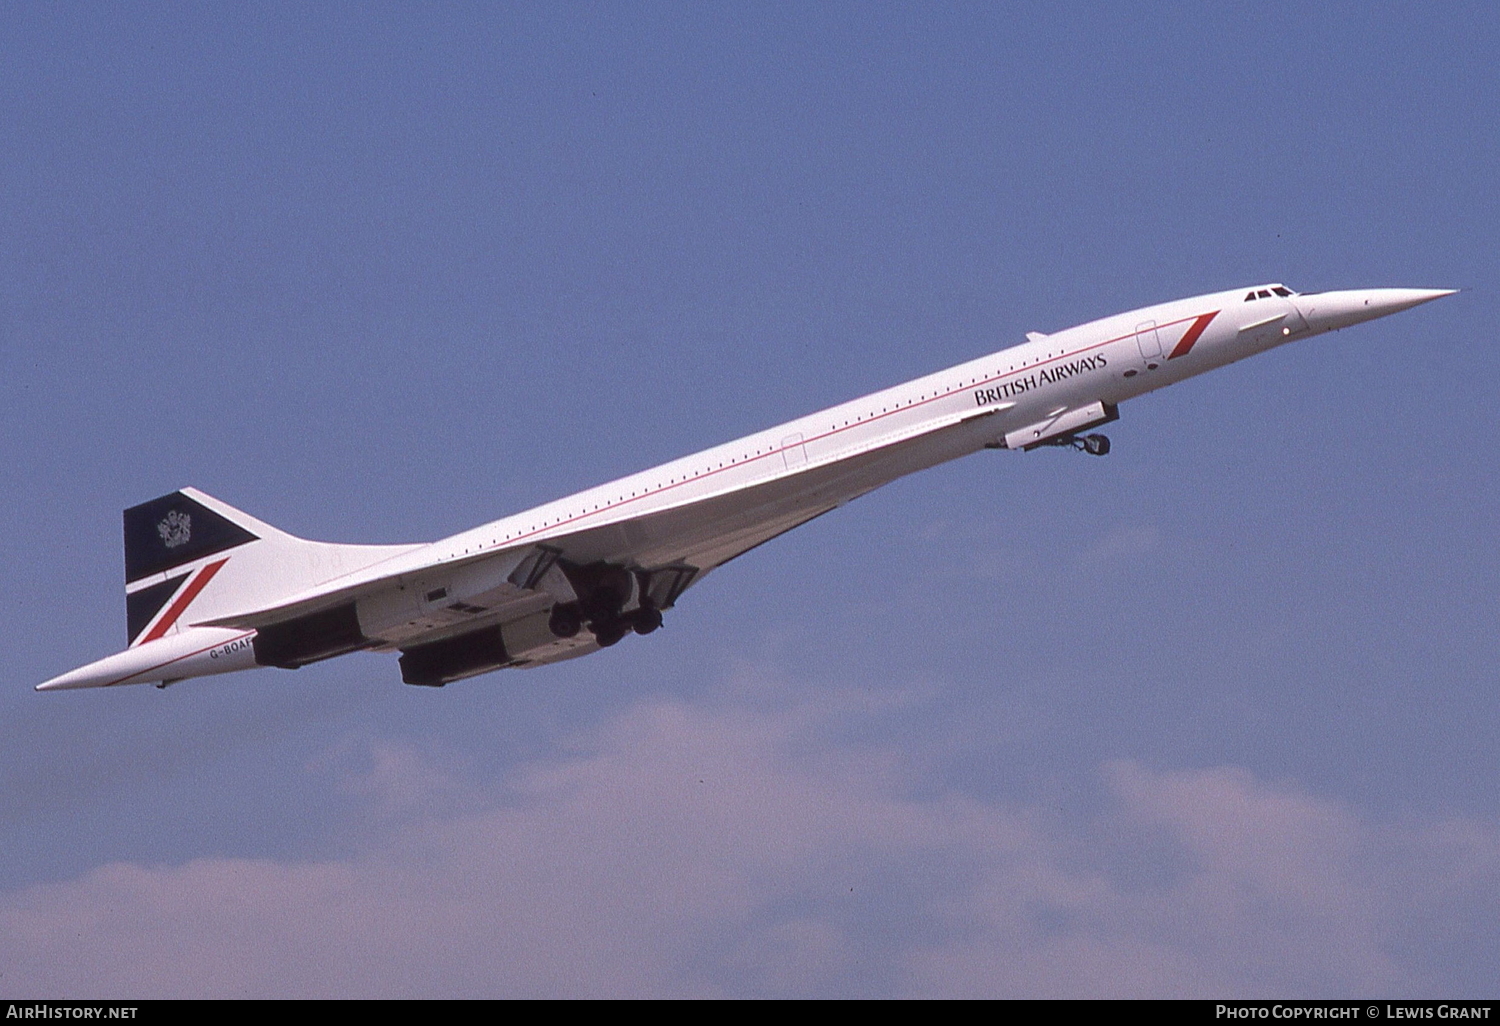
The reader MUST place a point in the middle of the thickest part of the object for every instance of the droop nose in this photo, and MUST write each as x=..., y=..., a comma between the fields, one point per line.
x=1326, y=311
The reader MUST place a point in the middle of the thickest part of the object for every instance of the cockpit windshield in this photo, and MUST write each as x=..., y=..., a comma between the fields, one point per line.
x=1267, y=292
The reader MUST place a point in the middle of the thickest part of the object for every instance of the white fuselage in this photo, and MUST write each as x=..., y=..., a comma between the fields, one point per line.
x=944, y=415
x=702, y=510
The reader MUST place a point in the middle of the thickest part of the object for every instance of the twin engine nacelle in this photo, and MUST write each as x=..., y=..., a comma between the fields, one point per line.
x=606, y=600
x=510, y=611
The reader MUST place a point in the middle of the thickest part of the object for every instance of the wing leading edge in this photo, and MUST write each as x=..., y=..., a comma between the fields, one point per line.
x=455, y=608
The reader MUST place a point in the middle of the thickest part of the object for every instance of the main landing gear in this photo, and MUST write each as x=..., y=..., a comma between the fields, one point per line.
x=612, y=601
x=642, y=621
x=608, y=628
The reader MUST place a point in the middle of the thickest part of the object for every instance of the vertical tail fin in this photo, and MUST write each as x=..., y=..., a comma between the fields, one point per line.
x=162, y=536
x=175, y=530
x=189, y=549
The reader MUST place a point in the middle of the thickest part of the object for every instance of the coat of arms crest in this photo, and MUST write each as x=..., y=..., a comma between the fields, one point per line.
x=175, y=529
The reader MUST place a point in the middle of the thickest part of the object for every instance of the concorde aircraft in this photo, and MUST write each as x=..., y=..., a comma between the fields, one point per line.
x=209, y=589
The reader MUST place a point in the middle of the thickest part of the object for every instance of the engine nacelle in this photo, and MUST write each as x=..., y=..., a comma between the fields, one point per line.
x=440, y=662
x=437, y=599
x=309, y=638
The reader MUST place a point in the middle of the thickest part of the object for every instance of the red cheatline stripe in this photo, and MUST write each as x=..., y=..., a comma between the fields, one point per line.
x=1186, y=345
x=184, y=600
x=555, y=530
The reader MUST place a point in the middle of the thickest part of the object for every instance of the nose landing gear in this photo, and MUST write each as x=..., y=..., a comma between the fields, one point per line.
x=1094, y=445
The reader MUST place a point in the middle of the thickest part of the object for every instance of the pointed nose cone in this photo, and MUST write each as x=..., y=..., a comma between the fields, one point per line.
x=1391, y=301
x=1327, y=311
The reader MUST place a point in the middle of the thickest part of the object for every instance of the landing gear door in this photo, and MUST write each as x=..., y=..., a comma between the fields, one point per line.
x=663, y=586
x=534, y=567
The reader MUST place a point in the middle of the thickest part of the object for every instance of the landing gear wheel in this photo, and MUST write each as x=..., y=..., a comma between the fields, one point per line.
x=565, y=622
x=607, y=634
x=1096, y=445
x=646, y=620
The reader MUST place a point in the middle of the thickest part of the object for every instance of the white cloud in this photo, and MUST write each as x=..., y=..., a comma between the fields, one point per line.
x=693, y=849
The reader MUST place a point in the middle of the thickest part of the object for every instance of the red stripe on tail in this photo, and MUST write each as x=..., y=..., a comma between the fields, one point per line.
x=189, y=593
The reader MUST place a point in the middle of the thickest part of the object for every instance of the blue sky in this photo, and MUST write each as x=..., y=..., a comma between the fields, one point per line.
x=1215, y=715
